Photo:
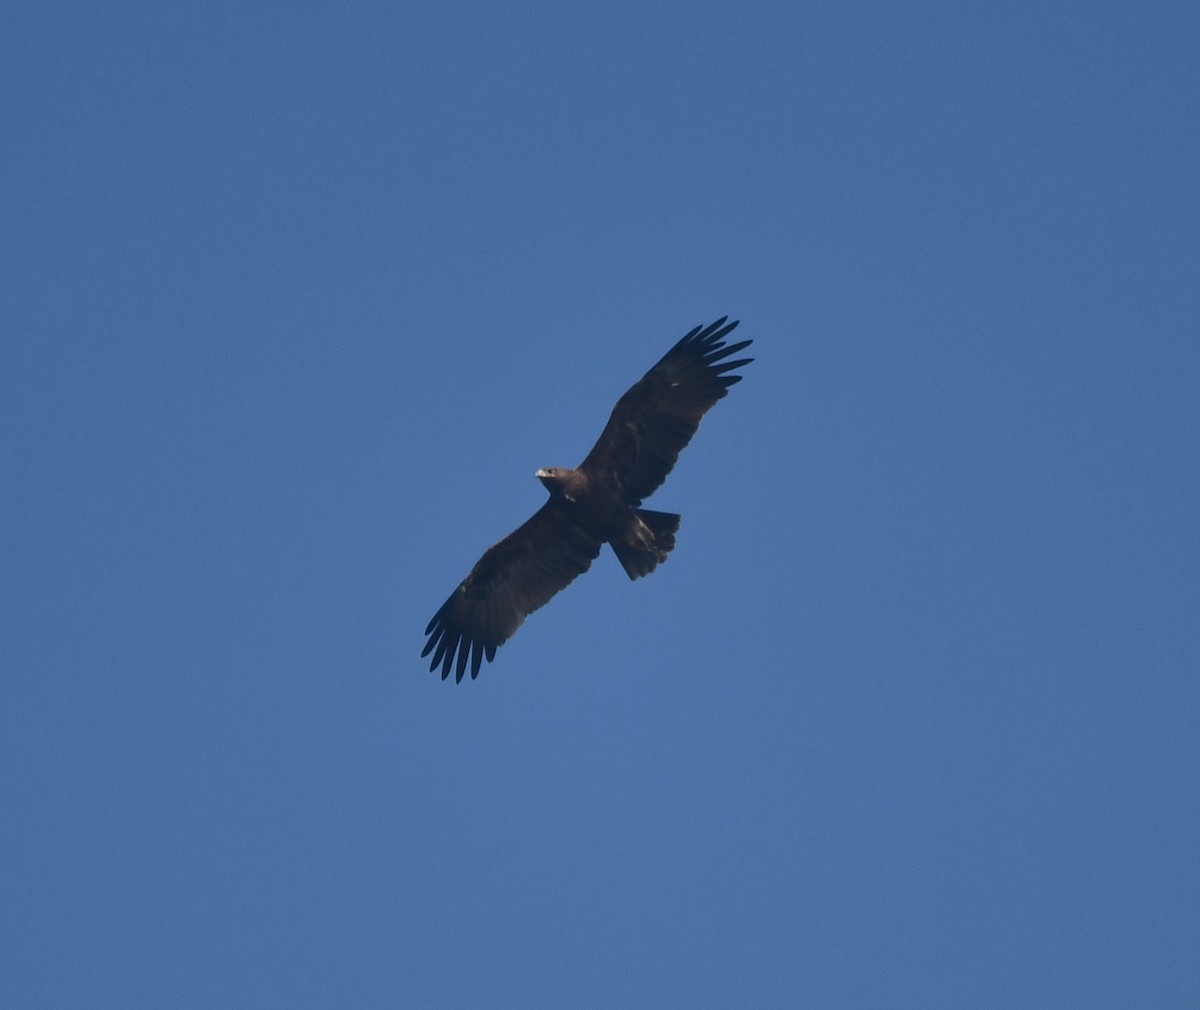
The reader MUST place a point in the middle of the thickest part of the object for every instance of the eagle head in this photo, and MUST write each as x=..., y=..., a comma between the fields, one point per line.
x=559, y=480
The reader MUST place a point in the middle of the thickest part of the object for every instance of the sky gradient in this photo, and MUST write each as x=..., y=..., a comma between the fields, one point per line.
x=298, y=300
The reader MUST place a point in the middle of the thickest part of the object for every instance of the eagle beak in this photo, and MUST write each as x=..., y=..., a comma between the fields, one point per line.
x=542, y=473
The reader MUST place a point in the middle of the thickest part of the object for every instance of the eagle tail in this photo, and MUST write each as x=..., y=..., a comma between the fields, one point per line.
x=647, y=540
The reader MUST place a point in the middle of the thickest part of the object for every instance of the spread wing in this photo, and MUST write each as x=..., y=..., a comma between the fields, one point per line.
x=510, y=582
x=658, y=416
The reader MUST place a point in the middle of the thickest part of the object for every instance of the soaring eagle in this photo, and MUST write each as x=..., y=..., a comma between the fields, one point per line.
x=596, y=503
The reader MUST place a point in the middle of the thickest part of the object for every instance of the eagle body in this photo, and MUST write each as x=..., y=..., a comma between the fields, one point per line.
x=595, y=503
x=639, y=538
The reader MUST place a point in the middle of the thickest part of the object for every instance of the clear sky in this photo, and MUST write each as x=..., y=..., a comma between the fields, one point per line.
x=295, y=301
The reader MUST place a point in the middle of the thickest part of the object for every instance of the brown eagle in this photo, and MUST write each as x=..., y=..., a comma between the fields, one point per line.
x=596, y=503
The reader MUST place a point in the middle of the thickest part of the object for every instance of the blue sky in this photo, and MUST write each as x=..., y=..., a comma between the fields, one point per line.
x=296, y=302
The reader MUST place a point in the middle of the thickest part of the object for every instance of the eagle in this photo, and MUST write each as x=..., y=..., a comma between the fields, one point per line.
x=596, y=503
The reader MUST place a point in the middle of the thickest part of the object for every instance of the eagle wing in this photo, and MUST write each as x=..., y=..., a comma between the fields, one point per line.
x=660, y=413
x=512, y=579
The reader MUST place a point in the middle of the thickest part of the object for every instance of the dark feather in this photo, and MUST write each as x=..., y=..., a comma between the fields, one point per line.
x=515, y=577
x=660, y=413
